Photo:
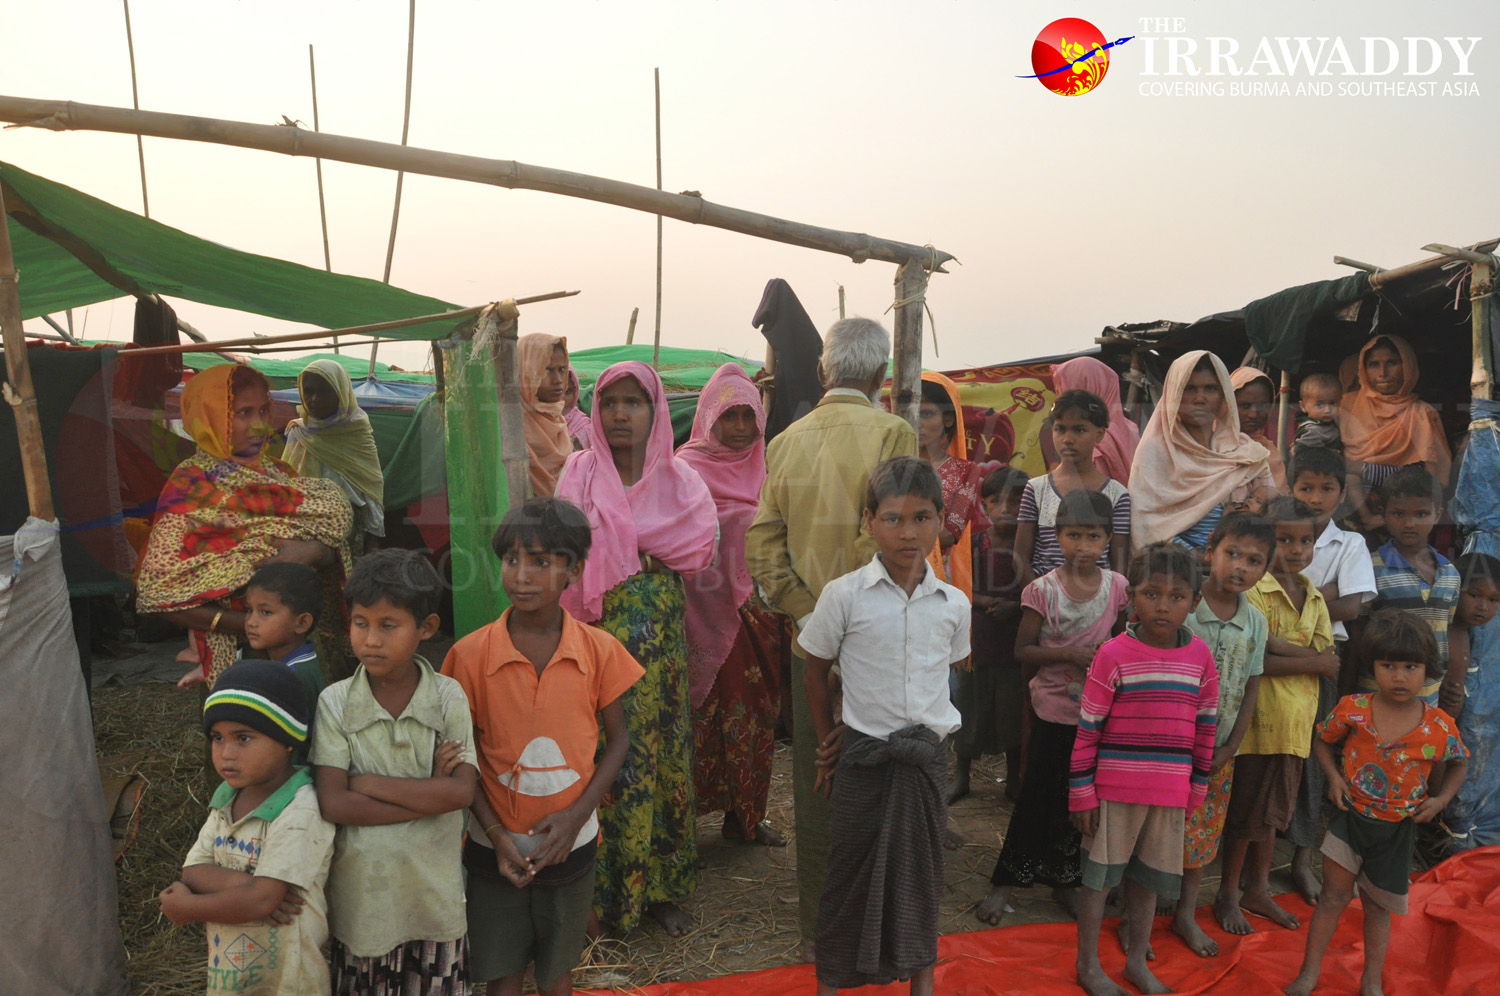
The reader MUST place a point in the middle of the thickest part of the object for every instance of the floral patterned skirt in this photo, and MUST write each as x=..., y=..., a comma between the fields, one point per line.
x=734, y=736
x=649, y=848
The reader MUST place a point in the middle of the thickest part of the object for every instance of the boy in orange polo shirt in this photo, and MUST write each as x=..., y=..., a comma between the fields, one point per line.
x=538, y=683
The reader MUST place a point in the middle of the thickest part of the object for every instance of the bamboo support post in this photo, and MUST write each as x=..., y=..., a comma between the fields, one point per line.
x=1283, y=413
x=62, y=115
x=841, y=302
x=630, y=329
x=19, y=391
x=513, y=455
x=312, y=72
x=135, y=99
x=1481, y=286
x=390, y=248
x=911, y=289
x=656, y=333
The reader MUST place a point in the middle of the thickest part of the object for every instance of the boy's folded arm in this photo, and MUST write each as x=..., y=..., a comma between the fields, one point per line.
x=427, y=796
x=1282, y=647
x=339, y=804
x=1341, y=608
x=1319, y=663
x=250, y=902
x=213, y=878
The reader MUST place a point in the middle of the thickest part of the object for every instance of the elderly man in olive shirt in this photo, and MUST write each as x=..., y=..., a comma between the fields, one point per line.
x=807, y=532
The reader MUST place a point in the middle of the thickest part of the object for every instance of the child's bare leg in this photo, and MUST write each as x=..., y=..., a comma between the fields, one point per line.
x=1338, y=889
x=1122, y=931
x=921, y=981
x=562, y=987
x=961, y=780
x=511, y=984
x=1184, y=923
x=1140, y=911
x=1090, y=973
x=1302, y=873
x=1377, y=938
x=992, y=908
x=1068, y=898
x=1227, y=904
x=1257, y=897
x=824, y=989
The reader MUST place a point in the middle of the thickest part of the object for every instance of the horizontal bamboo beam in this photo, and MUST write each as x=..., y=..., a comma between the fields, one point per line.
x=1379, y=280
x=269, y=340
x=64, y=115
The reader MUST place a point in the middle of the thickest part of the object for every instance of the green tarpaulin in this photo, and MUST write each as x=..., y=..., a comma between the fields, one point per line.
x=74, y=250
x=283, y=373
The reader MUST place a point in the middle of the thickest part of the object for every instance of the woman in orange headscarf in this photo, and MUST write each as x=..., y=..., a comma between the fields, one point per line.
x=229, y=509
x=1254, y=394
x=543, y=363
x=941, y=441
x=1385, y=425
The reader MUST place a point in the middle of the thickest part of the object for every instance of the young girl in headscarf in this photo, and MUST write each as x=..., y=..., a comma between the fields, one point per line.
x=331, y=438
x=734, y=649
x=942, y=443
x=1254, y=394
x=1385, y=425
x=543, y=363
x=229, y=509
x=578, y=422
x=1114, y=453
x=1193, y=460
x=653, y=520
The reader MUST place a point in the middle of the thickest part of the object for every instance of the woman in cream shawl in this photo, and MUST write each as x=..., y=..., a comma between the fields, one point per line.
x=331, y=438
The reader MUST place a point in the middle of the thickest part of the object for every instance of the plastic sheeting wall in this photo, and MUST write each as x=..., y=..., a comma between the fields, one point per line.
x=476, y=486
x=59, y=926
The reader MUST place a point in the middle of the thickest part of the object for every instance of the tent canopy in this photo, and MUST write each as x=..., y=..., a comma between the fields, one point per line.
x=74, y=250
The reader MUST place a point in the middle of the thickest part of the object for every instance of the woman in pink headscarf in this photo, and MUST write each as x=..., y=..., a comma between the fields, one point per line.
x=653, y=521
x=734, y=648
x=1114, y=453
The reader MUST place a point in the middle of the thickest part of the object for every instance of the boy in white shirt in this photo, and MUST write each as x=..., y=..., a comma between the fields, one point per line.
x=1343, y=572
x=894, y=629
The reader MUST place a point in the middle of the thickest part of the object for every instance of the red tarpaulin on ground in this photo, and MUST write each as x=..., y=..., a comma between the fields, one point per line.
x=1449, y=944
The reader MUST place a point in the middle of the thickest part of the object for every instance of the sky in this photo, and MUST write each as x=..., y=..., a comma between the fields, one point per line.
x=902, y=120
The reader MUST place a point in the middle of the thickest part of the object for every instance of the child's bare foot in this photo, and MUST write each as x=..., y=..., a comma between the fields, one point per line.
x=1165, y=907
x=1067, y=899
x=952, y=839
x=1231, y=918
x=1261, y=904
x=809, y=952
x=1301, y=986
x=1186, y=927
x=992, y=908
x=960, y=784
x=193, y=677
x=675, y=920
x=1138, y=975
x=593, y=931
x=1122, y=931
x=1369, y=987
x=768, y=836
x=1096, y=983
x=764, y=834
x=1303, y=877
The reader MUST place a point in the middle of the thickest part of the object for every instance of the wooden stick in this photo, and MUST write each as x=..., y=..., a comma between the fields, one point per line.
x=841, y=301
x=911, y=286
x=1283, y=412
x=62, y=115
x=135, y=99
x=513, y=454
x=1358, y=265
x=630, y=331
x=656, y=334
x=63, y=333
x=1379, y=280
x=390, y=248
x=270, y=340
x=1481, y=286
x=312, y=72
x=18, y=388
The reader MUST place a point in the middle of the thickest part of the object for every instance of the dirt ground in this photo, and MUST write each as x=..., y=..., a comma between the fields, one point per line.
x=745, y=908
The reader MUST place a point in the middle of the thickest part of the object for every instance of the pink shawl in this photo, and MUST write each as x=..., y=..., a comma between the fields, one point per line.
x=734, y=479
x=668, y=513
x=1116, y=451
x=578, y=422
x=1242, y=378
x=1175, y=480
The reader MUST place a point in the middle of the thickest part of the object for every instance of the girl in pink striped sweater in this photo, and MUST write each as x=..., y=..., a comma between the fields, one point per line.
x=1141, y=759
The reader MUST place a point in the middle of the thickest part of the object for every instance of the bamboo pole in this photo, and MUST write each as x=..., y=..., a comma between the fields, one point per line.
x=1283, y=413
x=312, y=72
x=503, y=336
x=271, y=340
x=656, y=334
x=19, y=391
x=630, y=331
x=1379, y=280
x=62, y=115
x=135, y=99
x=390, y=248
x=911, y=288
x=841, y=302
x=62, y=333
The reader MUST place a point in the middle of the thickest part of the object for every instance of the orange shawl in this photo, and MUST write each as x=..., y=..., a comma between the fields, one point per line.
x=1242, y=378
x=959, y=571
x=547, y=440
x=1394, y=430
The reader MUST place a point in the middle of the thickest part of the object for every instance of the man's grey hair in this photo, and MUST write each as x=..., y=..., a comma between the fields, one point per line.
x=854, y=349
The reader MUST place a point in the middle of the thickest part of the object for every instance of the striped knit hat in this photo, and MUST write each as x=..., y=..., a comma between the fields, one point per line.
x=265, y=696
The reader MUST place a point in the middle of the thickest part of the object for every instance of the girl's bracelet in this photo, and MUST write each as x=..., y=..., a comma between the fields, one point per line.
x=213, y=627
x=492, y=827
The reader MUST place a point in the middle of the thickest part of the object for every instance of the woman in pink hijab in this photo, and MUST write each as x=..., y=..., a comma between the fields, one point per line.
x=1116, y=451
x=734, y=648
x=653, y=521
